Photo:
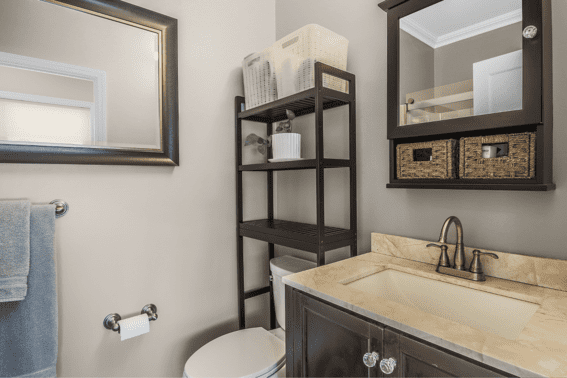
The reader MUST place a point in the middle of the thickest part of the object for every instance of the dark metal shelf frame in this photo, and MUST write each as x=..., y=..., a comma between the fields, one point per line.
x=314, y=238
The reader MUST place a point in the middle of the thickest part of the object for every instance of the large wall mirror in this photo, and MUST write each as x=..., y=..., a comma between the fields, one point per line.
x=87, y=82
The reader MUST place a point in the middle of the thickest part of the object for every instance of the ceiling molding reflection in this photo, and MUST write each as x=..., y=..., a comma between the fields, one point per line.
x=431, y=39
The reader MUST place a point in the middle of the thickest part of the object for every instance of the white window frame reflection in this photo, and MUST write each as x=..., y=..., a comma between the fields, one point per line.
x=98, y=77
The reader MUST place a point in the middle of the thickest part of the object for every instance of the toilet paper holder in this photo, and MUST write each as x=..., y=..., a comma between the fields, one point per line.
x=111, y=320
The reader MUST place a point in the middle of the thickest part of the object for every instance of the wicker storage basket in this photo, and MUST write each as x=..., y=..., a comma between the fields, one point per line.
x=301, y=49
x=519, y=164
x=443, y=163
x=259, y=79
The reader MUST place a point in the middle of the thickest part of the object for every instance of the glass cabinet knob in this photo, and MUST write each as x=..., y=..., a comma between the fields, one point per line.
x=370, y=359
x=530, y=32
x=388, y=365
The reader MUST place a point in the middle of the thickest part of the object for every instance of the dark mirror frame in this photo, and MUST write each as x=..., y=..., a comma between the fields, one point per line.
x=166, y=27
x=530, y=114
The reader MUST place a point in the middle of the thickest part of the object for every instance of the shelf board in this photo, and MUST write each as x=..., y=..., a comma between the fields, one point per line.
x=296, y=235
x=296, y=164
x=301, y=103
x=465, y=186
x=439, y=130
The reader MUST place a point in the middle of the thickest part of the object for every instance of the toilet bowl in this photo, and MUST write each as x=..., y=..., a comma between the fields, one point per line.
x=251, y=352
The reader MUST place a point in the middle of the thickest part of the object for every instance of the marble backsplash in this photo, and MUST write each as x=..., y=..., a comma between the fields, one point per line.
x=539, y=271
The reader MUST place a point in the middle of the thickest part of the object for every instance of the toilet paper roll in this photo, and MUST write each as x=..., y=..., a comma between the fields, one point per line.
x=135, y=326
x=488, y=152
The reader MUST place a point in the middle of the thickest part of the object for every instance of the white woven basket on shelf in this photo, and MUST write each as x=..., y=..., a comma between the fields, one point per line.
x=259, y=79
x=295, y=55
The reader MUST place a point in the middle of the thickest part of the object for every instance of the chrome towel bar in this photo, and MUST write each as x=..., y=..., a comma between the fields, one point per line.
x=61, y=207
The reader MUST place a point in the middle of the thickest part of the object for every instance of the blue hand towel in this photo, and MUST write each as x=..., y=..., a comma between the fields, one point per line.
x=14, y=250
x=28, y=329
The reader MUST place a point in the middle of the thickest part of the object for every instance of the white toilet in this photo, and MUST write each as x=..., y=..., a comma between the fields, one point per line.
x=252, y=352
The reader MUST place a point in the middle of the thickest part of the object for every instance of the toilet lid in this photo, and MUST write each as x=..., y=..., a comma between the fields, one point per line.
x=248, y=353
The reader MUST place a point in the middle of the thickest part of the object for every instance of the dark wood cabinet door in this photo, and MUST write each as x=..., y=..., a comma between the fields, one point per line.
x=323, y=340
x=332, y=343
x=416, y=359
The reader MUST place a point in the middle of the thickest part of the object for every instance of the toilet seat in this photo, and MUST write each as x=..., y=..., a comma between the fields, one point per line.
x=247, y=353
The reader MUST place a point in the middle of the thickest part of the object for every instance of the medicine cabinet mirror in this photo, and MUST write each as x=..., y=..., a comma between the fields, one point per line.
x=461, y=71
x=465, y=64
x=87, y=82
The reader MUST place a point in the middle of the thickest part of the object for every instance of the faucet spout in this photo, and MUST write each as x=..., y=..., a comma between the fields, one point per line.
x=459, y=258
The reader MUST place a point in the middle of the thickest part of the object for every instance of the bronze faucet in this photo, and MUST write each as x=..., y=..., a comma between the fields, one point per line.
x=458, y=269
x=459, y=258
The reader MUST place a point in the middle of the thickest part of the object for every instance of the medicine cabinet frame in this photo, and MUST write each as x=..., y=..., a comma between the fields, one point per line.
x=536, y=114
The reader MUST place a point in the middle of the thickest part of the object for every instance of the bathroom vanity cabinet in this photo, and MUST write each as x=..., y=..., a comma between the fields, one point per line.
x=460, y=69
x=324, y=340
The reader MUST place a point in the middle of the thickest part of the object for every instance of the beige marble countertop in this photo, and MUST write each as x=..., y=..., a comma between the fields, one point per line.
x=540, y=350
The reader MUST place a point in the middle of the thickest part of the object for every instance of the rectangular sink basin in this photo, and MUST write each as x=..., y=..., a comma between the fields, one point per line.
x=494, y=313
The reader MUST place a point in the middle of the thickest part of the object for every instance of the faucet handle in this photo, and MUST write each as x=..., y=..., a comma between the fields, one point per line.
x=444, y=257
x=476, y=265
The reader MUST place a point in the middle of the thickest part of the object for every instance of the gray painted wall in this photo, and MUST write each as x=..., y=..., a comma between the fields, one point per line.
x=525, y=223
x=162, y=235
x=417, y=65
x=454, y=62
x=422, y=67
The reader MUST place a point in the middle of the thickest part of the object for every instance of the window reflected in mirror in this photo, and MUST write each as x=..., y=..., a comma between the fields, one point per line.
x=73, y=79
x=460, y=58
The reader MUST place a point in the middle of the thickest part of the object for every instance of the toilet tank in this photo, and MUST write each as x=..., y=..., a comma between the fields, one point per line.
x=282, y=266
